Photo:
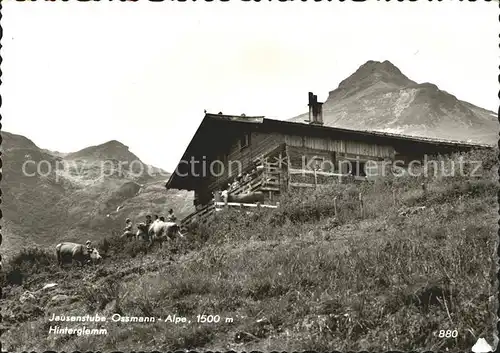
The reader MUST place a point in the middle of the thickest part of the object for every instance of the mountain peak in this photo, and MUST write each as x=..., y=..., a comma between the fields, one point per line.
x=378, y=65
x=109, y=150
x=112, y=143
x=373, y=72
x=382, y=68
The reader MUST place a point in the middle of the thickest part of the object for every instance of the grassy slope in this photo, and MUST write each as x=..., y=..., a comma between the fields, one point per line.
x=294, y=278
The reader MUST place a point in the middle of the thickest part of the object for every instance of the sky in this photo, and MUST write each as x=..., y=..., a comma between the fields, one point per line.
x=78, y=74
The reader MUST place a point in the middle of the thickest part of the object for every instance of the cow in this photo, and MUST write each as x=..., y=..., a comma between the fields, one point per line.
x=142, y=232
x=73, y=252
x=163, y=231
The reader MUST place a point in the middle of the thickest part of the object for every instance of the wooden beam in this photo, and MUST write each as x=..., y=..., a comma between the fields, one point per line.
x=289, y=166
x=306, y=171
x=238, y=204
x=269, y=189
x=302, y=185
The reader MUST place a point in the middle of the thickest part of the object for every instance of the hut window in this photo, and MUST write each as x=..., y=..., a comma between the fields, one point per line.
x=358, y=168
x=317, y=162
x=244, y=140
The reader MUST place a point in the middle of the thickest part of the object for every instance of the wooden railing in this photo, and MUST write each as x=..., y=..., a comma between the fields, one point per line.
x=271, y=177
x=204, y=214
x=220, y=205
x=251, y=185
x=201, y=215
x=315, y=173
x=268, y=179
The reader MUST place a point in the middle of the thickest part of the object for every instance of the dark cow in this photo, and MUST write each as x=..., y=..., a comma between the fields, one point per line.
x=73, y=252
x=142, y=232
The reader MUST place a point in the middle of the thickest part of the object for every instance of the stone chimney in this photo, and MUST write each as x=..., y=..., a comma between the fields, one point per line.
x=315, y=110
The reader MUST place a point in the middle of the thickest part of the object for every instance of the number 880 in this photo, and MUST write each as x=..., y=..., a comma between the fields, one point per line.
x=448, y=334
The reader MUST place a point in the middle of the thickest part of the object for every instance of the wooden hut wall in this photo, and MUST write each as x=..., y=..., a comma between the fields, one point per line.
x=357, y=148
x=303, y=148
x=300, y=157
x=238, y=159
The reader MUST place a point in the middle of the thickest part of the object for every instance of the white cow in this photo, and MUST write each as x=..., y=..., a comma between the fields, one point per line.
x=161, y=231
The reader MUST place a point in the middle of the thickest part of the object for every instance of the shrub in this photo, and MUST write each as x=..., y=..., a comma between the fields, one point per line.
x=33, y=258
x=98, y=296
x=116, y=246
x=27, y=262
x=134, y=248
x=112, y=245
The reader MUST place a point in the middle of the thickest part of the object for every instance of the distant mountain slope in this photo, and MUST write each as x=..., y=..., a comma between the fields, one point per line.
x=27, y=198
x=13, y=141
x=109, y=150
x=379, y=97
x=55, y=153
x=109, y=159
x=79, y=196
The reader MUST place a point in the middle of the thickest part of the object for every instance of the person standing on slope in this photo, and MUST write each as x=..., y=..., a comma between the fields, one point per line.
x=171, y=217
x=127, y=231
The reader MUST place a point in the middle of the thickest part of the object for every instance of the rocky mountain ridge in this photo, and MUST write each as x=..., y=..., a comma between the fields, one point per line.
x=379, y=97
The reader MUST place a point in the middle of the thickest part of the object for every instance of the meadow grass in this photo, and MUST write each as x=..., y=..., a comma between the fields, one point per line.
x=302, y=278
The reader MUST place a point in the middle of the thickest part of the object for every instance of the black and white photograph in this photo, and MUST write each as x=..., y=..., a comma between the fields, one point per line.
x=249, y=176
